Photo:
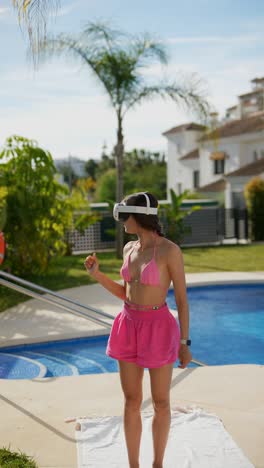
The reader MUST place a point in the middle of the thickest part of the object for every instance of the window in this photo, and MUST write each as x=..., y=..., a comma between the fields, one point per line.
x=196, y=179
x=255, y=155
x=178, y=148
x=179, y=188
x=219, y=166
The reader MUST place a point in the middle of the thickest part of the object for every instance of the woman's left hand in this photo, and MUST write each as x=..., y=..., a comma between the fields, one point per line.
x=185, y=356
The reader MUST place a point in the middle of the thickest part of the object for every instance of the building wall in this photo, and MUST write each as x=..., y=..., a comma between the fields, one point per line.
x=181, y=172
x=178, y=172
x=235, y=192
x=250, y=151
x=232, y=162
x=241, y=150
x=252, y=103
x=190, y=138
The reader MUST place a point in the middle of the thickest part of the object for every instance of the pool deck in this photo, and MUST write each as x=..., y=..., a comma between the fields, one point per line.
x=33, y=411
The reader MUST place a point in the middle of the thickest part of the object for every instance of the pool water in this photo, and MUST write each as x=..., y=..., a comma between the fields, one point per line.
x=226, y=327
x=226, y=323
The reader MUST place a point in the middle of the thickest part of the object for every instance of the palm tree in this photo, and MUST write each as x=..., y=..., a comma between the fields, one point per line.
x=33, y=14
x=117, y=60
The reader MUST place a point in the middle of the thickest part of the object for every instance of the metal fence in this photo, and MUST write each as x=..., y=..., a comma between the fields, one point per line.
x=98, y=236
x=207, y=226
x=216, y=226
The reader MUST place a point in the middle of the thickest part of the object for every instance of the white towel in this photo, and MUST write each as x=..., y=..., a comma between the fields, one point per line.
x=197, y=439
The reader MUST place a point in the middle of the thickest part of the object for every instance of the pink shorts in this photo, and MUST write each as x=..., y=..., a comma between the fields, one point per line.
x=150, y=337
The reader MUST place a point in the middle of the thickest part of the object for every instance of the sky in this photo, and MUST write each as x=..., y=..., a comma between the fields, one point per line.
x=61, y=105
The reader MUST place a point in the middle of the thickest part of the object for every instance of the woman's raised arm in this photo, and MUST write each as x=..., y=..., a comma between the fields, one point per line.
x=92, y=267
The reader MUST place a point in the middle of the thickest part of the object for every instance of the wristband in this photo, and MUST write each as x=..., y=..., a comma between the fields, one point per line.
x=187, y=342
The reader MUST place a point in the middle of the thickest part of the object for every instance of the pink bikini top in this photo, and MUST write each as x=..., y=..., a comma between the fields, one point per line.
x=149, y=274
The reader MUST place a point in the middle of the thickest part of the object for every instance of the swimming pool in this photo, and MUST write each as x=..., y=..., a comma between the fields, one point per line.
x=226, y=327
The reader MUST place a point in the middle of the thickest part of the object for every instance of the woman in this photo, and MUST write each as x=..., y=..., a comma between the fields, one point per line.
x=145, y=334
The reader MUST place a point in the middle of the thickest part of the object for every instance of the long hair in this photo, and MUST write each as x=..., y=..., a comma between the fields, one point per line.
x=149, y=222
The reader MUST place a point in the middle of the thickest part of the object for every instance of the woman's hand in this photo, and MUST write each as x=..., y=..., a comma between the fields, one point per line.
x=185, y=356
x=91, y=264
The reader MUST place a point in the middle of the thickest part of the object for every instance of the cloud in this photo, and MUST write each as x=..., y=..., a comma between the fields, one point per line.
x=4, y=11
x=76, y=124
x=80, y=125
x=238, y=76
x=66, y=111
x=51, y=80
x=63, y=11
x=215, y=39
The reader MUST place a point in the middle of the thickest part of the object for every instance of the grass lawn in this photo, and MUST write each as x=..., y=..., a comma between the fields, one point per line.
x=69, y=272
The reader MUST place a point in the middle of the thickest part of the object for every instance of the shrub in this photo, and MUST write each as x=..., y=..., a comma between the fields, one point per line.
x=173, y=217
x=10, y=459
x=254, y=194
x=35, y=210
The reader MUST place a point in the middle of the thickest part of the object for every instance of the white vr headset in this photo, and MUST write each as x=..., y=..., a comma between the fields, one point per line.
x=122, y=211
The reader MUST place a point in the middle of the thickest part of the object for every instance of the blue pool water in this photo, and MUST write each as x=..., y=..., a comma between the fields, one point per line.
x=226, y=327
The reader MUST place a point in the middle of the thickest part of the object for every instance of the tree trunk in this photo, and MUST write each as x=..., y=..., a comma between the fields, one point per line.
x=119, y=158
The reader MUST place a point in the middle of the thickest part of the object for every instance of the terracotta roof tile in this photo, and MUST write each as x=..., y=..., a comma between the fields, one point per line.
x=187, y=126
x=194, y=154
x=254, y=91
x=252, y=169
x=258, y=80
x=232, y=108
x=218, y=186
x=237, y=127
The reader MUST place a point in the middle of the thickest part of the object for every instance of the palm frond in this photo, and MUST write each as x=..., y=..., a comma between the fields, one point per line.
x=117, y=66
x=33, y=15
x=33, y=8
x=87, y=53
x=101, y=34
x=189, y=95
x=144, y=48
x=176, y=200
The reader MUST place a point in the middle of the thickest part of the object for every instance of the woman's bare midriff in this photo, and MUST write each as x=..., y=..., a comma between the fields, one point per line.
x=145, y=295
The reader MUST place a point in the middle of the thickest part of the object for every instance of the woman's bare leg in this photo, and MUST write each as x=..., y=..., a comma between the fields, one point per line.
x=131, y=377
x=160, y=380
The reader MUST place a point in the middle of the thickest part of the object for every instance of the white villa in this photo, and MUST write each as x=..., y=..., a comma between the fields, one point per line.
x=220, y=161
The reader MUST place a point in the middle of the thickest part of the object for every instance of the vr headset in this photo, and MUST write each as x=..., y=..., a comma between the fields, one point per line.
x=121, y=212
